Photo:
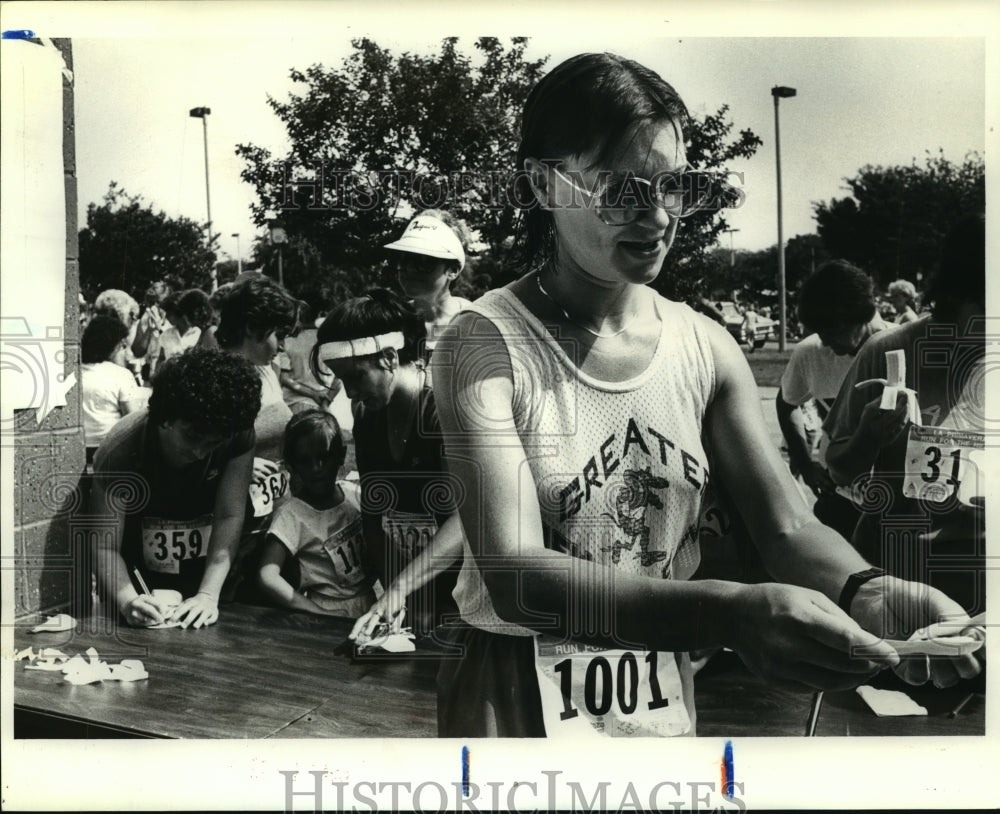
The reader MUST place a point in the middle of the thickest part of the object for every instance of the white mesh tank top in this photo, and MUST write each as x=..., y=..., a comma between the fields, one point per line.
x=619, y=467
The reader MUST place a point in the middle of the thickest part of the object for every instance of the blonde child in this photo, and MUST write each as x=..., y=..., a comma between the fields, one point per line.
x=319, y=527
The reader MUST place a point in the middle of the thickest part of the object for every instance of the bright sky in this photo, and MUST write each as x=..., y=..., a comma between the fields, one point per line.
x=875, y=100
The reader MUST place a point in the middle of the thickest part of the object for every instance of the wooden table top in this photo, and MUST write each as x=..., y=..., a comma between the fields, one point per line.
x=265, y=673
x=257, y=673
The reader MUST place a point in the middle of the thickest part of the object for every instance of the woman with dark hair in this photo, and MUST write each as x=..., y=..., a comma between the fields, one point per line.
x=431, y=256
x=109, y=390
x=189, y=314
x=255, y=316
x=583, y=413
x=174, y=479
x=371, y=345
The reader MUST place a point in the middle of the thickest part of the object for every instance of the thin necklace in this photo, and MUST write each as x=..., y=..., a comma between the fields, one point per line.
x=565, y=313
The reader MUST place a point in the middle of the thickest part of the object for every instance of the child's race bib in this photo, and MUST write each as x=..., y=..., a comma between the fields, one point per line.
x=588, y=690
x=408, y=534
x=943, y=462
x=345, y=548
x=265, y=492
x=166, y=543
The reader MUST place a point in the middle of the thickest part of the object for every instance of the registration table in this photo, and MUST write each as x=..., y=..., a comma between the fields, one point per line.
x=266, y=673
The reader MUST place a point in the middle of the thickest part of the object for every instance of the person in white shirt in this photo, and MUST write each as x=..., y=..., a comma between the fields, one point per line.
x=189, y=313
x=109, y=390
x=904, y=298
x=837, y=305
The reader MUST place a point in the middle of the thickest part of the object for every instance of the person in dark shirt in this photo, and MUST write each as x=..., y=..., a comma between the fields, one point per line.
x=174, y=478
x=371, y=345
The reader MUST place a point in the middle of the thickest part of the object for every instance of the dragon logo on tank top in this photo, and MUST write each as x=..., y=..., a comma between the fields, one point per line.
x=635, y=496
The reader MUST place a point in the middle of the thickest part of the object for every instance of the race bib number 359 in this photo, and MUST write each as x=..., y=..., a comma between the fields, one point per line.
x=616, y=693
x=167, y=543
x=943, y=462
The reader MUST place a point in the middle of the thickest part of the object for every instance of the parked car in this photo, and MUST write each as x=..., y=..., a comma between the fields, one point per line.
x=735, y=326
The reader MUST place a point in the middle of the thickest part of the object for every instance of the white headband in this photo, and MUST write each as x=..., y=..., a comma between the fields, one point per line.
x=365, y=346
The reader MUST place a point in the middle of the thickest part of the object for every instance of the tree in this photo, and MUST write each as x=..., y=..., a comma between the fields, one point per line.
x=689, y=267
x=895, y=219
x=126, y=245
x=390, y=135
x=385, y=135
x=757, y=272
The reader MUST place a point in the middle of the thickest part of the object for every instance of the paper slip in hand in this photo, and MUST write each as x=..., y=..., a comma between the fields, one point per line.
x=889, y=703
x=164, y=625
x=945, y=646
x=55, y=624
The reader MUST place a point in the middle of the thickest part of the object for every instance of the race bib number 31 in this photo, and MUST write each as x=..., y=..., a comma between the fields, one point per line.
x=167, y=543
x=942, y=462
x=616, y=693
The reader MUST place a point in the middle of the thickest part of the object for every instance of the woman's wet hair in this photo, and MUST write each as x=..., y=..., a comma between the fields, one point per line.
x=378, y=312
x=318, y=425
x=255, y=306
x=590, y=104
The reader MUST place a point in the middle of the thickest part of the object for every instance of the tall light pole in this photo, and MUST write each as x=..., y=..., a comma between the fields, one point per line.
x=780, y=92
x=278, y=237
x=239, y=254
x=202, y=113
x=732, y=251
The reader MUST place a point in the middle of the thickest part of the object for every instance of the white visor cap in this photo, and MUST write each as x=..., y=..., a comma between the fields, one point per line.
x=430, y=236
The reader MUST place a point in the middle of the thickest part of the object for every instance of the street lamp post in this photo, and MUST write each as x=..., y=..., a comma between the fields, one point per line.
x=239, y=254
x=278, y=237
x=780, y=92
x=202, y=113
x=732, y=251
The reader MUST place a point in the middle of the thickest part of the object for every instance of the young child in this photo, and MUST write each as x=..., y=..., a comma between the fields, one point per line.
x=319, y=526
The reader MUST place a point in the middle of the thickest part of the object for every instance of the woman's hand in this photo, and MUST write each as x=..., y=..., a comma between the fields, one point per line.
x=796, y=638
x=200, y=610
x=263, y=469
x=143, y=611
x=390, y=608
x=883, y=426
x=891, y=607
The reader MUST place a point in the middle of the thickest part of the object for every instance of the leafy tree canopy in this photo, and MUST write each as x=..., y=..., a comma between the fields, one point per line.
x=386, y=135
x=127, y=245
x=895, y=219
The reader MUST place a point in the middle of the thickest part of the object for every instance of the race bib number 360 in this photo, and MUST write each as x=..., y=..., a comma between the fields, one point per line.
x=167, y=543
x=942, y=462
x=616, y=693
x=264, y=492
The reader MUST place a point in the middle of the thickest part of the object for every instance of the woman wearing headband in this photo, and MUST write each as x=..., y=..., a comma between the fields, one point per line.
x=407, y=500
x=583, y=413
x=431, y=255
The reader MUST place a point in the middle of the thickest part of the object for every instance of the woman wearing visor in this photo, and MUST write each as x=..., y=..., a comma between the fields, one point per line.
x=431, y=256
x=584, y=415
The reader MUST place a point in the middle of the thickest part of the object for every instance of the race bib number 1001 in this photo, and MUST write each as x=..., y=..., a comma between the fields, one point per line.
x=167, y=543
x=942, y=462
x=616, y=693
